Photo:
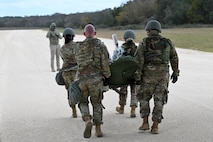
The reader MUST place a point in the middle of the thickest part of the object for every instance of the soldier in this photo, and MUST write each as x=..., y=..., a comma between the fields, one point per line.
x=93, y=61
x=69, y=66
x=154, y=55
x=54, y=37
x=129, y=49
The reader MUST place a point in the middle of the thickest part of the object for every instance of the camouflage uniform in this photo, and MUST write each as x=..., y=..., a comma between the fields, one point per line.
x=54, y=37
x=93, y=64
x=129, y=49
x=154, y=54
x=69, y=66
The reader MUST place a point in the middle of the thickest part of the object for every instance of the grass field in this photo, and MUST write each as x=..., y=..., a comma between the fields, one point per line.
x=191, y=38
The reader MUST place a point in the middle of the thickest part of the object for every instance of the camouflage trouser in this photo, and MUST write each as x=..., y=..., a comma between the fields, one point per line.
x=92, y=88
x=153, y=86
x=68, y=77
x=123, y=96
x=54, y=52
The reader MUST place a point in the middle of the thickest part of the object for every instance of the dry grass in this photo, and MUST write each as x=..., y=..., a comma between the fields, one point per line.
x=191, y=38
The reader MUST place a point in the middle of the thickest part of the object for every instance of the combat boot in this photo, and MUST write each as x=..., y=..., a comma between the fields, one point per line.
x=145, y=124
x=53, y=70
x=154, y=129
x=88, y=127
x=98, y=131
x=74, y=112
x=132, y=112
x=120, y=109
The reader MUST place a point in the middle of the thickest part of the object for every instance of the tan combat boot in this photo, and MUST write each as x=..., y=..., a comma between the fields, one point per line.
x=88, y=127
x=98, y=132
x=132, y=112
x=120, y=109
x=154, y=129
x=74, y=112
x=145, y=124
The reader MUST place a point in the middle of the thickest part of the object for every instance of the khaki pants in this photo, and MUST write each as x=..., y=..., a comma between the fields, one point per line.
x=54, y=52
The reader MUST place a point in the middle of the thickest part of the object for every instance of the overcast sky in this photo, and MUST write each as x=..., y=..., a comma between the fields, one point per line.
x=49, y=7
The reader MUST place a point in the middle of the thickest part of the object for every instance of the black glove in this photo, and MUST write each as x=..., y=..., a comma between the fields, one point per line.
x=125, y=53
x=138, y=82
x=174, y=77
x=106, y=81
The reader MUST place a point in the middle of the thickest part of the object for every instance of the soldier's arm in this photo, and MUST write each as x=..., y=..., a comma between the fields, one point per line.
x=105, y=58
x=48, y=34
x=59, y=35
x=139, y=56
x=174, y=60
x=61, y=53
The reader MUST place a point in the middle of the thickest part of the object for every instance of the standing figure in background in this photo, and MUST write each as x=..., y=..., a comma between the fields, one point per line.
x=54, y=37
x=93, y=62
x=69, y=67
x=154, y=54
x=129, y=47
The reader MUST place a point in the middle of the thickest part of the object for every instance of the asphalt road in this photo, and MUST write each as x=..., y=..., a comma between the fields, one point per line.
x=33, y=108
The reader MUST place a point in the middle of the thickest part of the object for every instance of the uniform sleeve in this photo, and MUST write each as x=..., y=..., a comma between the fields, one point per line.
x=105, y=58
x=125, y=49
x=123, y=46
x=61, y=53
x=48, y=34
x=174, y=60
x=76, y=50
x=59, y=35
x=139, y=56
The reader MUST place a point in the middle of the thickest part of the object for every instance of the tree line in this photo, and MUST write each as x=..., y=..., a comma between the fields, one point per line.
x=133, y=12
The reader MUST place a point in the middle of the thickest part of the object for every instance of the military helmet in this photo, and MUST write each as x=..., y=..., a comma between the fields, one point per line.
x=68, y=31
x=52, y=25
x=153, y=25
x=129, y=34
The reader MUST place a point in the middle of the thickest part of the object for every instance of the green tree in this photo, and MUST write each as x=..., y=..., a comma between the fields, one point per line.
x=194, y=13
x=136, y=12
x=200, y=11
x=177, y=15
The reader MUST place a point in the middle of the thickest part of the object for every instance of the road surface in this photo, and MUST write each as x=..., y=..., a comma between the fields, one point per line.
x=33, y=108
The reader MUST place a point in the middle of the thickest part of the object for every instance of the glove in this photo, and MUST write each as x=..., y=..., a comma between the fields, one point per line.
x=174, y=77
x=125, y=53
x=106, y=84
x=106, y=81
x=138, y=82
